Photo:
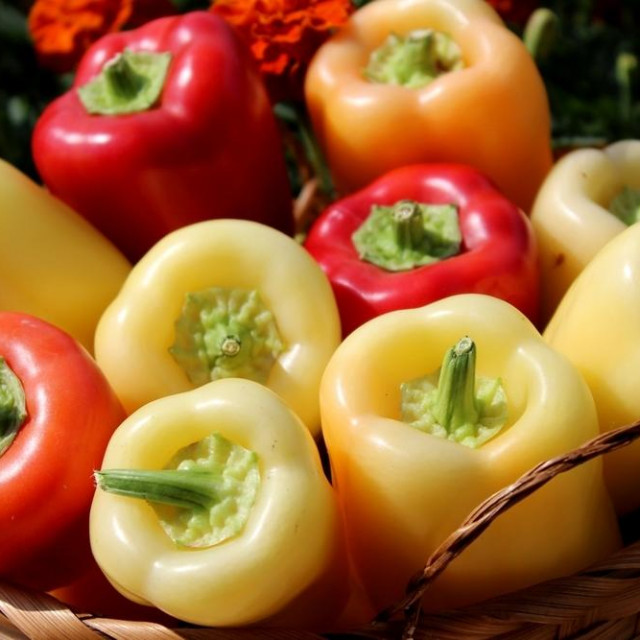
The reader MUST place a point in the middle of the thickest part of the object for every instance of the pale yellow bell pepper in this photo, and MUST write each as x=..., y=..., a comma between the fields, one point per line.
x=597, y=326
x=239, y=525
x=409, y=469
x=590, y=196
x=221, y=298
x=55, y=265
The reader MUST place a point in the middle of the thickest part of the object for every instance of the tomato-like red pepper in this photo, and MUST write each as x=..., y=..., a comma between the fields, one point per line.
x=57, y=414
x=165, y=125
x=421, y=233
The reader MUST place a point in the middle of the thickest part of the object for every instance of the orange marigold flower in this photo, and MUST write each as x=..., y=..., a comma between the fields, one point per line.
x=62, y=30
x=283, y=35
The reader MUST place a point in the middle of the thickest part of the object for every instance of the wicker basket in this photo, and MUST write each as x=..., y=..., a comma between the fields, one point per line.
x=602, y=602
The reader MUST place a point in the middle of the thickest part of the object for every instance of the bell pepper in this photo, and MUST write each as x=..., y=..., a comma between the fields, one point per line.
x=430, y=81
x=55, y=265
x=238, y=524
x=216, y=299
x=597, y=326
x=57, y=413
x=165, y=125
x=426, y=412
x=589, y=197
x=420, y=233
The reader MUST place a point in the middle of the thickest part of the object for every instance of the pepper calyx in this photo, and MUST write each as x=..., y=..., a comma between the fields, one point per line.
x=414, y=60
x=130, y=82
x=225, y=332
x=408, y=234
x=453, y=403
x=13, y=406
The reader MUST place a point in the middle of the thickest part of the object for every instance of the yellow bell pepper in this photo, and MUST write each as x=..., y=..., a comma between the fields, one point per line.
x=55, y=265
x=221, y=298
x=590, y=196
x=238, y=523
x=406, y=82
x=597, y=326
x=416, y=443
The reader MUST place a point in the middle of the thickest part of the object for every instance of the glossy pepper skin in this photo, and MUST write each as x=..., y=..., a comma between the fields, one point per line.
x=498, y=254
x=470, y=115
x=574, y=214
x=153, y=334
x=207, y=148
x=403, y=491
x=597, y=326
x=46, y=481
x=55, y=265
x=286, y=565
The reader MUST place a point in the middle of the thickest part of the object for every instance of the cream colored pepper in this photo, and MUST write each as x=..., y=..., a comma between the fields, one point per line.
x=597, y=326
x=257, y=533
x=221, y=298
x=403, y=491
x=572, y=213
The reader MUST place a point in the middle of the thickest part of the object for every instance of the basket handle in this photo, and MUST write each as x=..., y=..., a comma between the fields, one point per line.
x=487, y=511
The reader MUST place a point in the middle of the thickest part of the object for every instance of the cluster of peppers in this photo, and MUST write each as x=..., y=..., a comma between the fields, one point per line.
x=463, y=311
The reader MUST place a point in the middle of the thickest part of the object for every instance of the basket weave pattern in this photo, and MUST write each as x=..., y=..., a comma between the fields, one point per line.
x=602, y=602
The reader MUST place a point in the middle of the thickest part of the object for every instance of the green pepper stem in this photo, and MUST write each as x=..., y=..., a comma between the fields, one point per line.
x=541, y=33
x=180, y=488
x=626, y=69
x=408, y=221
x=13, y=405
x=455, y=404
x=121, y=77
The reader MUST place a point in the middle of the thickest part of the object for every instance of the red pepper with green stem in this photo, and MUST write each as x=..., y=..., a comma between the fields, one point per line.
x=57, y=414
x=421, y=233
x=165, y=125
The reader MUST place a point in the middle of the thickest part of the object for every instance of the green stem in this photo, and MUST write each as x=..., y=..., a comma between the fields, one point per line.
x=13, y=406
x=408, y=221
x=455, y=403
x=293, y=116
x=626, y=68
x=186, y=489
x=541, y=32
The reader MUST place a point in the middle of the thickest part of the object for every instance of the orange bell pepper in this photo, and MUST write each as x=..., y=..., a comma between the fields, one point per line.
x=430, y=80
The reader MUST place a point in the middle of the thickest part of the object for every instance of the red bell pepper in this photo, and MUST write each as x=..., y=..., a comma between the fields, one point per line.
x=57, y=414
x=421, y=233
x=165, y=125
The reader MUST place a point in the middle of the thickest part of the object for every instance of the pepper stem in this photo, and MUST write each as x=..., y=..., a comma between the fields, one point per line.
x=455, y=402
x=541, y=33
x=13, y=406
x=131, y=81
x=213, y=483
x=409, y=224
x=186, y=489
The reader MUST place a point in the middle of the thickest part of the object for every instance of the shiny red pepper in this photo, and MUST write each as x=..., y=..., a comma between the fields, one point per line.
x=492, y=249
x=165, y=125
x=57, y=414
